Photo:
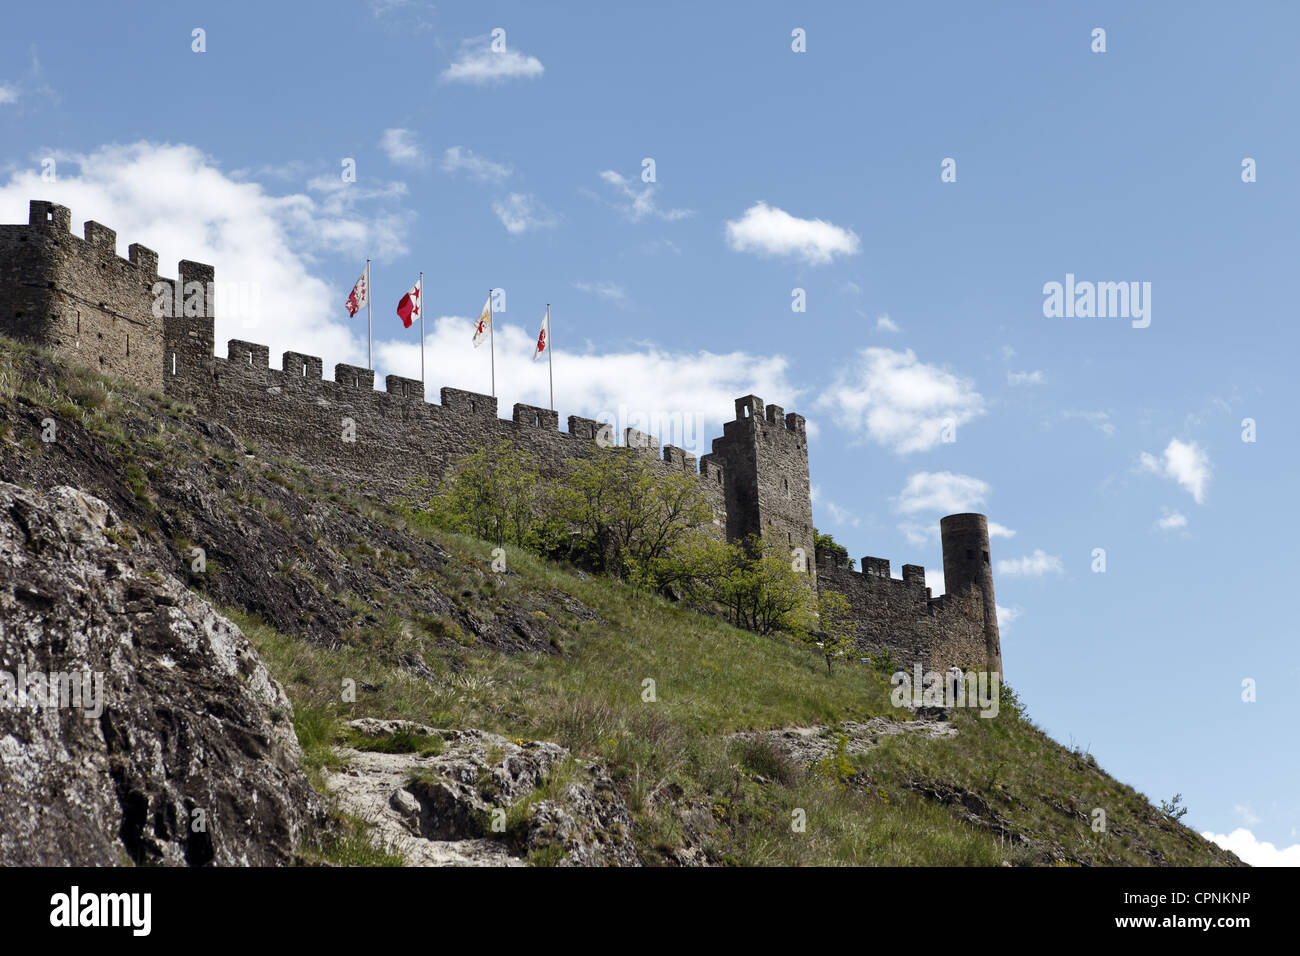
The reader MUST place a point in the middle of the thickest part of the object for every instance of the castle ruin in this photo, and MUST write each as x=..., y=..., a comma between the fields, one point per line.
x=79, y=299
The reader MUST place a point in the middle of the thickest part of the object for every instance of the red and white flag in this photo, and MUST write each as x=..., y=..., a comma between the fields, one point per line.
x=483, y=327
x=360, y=294
x=409, y=308
x=543, y=337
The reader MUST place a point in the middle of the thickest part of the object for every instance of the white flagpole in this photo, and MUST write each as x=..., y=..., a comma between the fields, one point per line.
x=550, y=369
x=421, y=284
x=492, y=343
x=370, y=338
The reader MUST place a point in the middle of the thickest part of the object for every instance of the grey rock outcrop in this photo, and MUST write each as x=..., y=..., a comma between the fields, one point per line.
x=484, y=800
x=165, y=741
x=805, y=746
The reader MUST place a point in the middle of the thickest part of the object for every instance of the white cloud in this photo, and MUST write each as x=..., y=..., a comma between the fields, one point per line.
x=900, y=402
x=459, y=159
x=1008, y=352
x=401, y=148
x=606, y=290
x=1031, y=565
x=1007, y=616
x=682, y=398
x=479, y=64
x=520, y=213
x=885, y=324
x=1000, y=531
x=853, y=287
x=769, y=231
x=1172, y=521
x=919, y=535
x=934, y=581
x=382, y=8
x=1026, y=378
x=175, y=200
x=941, y=492
x=8, y=94
x=640, y=201
x=342, y=229
x=842, y=517
x=655, y=246
x=1246, y=814
x=1185, y=462
x=1097, y=419
x=1251, y=850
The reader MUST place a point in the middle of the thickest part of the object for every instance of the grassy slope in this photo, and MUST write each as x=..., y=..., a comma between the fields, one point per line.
x=1001, y=791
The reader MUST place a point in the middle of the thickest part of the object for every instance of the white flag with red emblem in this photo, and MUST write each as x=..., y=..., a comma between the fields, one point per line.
x=543, y=337
x=409, y=308
x=483, y=327
x=360, y=294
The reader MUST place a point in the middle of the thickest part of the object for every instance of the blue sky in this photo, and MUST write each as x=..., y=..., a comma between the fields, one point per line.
x=777, y=171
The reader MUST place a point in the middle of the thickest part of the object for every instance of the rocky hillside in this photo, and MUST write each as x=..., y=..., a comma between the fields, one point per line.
x=329, y=682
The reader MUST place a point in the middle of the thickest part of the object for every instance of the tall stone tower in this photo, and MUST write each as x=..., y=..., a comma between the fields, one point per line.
x=764, y=458
x=78, y=298
x=967, y=565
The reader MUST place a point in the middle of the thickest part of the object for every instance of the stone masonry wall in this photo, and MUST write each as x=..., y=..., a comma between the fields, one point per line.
x=79, y=298
x=380, y=441
x=888, y=613
x=764, y=454
x=958, y=631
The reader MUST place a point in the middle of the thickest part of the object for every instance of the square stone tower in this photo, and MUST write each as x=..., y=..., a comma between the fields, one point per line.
x=763, y=454
x=78, y=298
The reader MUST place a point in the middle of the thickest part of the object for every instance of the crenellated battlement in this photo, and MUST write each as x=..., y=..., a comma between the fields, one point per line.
x=77, y=297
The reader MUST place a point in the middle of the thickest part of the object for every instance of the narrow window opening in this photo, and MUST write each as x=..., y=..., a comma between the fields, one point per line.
x=304, y=369
x=128, y=345
x=986, y=557
x=173, y=363
x=250, y=358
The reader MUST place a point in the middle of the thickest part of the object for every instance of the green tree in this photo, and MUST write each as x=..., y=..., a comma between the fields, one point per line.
x=491, y=494
x=834, y=634
x=757, y=586
x=1173, y=807
x=824, y=542
x=631, y=519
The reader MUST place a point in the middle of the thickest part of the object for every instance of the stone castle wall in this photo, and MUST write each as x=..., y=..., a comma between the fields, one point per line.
x=901, y=617
x=77, y=297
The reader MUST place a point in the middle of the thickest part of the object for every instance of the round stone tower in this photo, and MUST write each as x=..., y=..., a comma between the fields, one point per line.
x=966, y=564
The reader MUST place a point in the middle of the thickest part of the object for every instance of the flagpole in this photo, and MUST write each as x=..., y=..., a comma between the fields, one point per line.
x=370, y=338
x=421, y=327
x=492, y=343
x=550, y=369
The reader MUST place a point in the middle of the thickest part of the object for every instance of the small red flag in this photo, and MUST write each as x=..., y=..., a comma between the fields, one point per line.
x=409, y=308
